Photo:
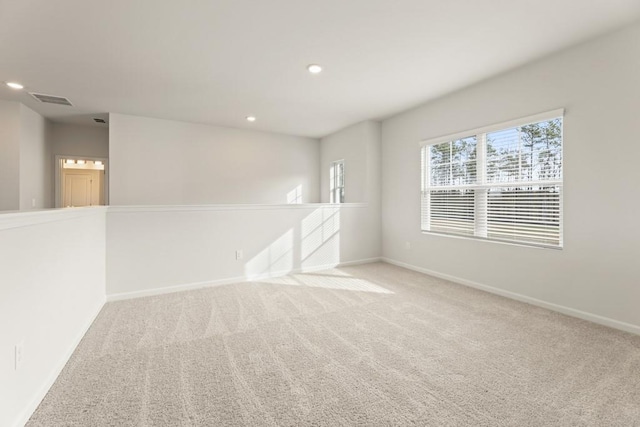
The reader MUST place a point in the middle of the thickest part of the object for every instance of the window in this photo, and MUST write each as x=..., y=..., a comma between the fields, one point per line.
x=336, y=183
x=501, y=182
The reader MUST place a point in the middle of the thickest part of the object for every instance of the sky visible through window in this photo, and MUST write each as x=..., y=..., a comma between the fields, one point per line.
x=526, y=153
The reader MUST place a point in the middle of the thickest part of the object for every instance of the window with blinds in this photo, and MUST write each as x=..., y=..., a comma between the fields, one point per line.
x=501, y=182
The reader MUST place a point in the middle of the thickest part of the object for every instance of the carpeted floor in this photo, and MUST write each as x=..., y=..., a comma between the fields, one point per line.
x=371, y=345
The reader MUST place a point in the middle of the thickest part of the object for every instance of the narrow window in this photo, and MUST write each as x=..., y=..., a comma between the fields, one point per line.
x=336, y=182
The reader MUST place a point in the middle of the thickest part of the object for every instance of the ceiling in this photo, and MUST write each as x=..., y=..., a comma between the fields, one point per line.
x=218, y=61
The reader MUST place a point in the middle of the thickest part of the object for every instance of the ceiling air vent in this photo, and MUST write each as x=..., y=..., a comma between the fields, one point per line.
x=99, y=120
x=50, y=99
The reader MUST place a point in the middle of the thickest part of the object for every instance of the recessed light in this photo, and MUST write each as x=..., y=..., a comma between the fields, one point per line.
x=14, y=85
x=251, y=118
x=314, y=68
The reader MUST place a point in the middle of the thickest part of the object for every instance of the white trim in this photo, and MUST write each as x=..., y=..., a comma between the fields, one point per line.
x=493, y=240
x=28, y=218
x=15, y=219
x=595, y=318
x=231, y=280
x=28, y=411
x=547, y=115
x=239, y=207
x=489, y=186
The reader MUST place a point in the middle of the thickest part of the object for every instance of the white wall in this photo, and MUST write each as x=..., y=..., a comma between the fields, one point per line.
x=25, y=170
x=359, y=146
x=350, y=145
x=52, y=285
x=76, y=140
x=354, y=145
x=154, y=249
x=9, y=155
x=162, y=162
x=36, y=163
x=596, y=273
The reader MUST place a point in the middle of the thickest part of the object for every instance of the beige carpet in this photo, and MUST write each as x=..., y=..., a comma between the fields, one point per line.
x=371, y=345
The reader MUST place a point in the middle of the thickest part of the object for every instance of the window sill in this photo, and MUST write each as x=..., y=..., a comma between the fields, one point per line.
x=498, y=241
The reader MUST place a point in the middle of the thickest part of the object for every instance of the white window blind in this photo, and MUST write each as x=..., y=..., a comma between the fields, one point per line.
x=497, y=183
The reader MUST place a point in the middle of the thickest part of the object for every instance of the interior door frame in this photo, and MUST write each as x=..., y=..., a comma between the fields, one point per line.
x=58, y=172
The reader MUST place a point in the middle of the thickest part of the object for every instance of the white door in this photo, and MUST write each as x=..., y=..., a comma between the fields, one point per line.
x=81, y=187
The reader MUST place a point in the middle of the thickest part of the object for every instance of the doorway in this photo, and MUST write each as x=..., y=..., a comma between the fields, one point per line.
x=81, y=181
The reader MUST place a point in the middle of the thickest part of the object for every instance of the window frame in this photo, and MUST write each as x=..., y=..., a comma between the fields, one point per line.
x=336, y=191
x=481, y=183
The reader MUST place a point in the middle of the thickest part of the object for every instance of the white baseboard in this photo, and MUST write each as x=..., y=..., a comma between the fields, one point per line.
x=28, y=411
x=230, y=280
x=601, y=320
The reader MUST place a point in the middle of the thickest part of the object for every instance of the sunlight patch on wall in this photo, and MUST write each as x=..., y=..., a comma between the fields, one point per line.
x=277, y=258
x=320, y=239
x=295, y=196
